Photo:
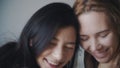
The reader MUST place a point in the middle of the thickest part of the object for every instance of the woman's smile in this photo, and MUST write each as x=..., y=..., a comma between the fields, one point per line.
x=51, y=64
x=101, y=54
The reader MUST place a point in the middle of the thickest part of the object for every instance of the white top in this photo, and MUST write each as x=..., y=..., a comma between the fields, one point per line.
x=79, y=59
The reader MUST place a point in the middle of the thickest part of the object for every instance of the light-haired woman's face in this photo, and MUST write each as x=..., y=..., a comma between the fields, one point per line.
x=60, y=50
x=97, y=37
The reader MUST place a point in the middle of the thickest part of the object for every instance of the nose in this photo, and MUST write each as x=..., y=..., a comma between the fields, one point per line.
x=58, y=53
x=94, y=45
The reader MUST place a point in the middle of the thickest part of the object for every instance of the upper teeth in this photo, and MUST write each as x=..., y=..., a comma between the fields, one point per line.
x=52, y=63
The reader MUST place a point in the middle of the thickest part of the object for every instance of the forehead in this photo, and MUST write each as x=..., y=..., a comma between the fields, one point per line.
x=65, y=34
x=93, y=22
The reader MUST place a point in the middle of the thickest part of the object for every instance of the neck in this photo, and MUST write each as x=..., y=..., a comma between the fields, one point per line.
x=107, y=65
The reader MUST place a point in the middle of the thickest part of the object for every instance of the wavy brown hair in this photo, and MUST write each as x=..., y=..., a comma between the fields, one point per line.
x=111, y=8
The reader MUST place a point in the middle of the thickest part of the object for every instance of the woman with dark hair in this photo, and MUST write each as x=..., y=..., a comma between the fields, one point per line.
x=99, y=32
x=49, y=40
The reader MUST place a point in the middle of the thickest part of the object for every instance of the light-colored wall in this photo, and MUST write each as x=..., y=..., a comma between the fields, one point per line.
x=15, y=13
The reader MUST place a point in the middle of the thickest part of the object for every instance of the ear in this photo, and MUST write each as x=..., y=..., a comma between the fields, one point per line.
x=30, y=43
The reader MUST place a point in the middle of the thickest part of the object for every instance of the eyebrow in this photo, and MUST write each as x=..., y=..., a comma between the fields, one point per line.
x=107, y=30
x=72, y=43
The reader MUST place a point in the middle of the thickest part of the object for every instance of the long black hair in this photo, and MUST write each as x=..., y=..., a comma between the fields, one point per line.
x=42, y=27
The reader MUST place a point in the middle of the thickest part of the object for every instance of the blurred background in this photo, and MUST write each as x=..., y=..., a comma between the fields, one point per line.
x=14, y=14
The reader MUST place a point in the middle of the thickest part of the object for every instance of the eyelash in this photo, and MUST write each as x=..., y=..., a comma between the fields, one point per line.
x=83, y=39
x=52, y=44
x=69, y=48
x=104, y=35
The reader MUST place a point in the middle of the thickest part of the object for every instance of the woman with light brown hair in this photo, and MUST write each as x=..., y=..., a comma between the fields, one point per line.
x=99, y=32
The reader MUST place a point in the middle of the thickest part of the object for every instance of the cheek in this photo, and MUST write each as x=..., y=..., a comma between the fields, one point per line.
x=110, y=41
x=107, y=42
x=45, y=53
x=41, y=57
x=69, y=55
x=39, y=60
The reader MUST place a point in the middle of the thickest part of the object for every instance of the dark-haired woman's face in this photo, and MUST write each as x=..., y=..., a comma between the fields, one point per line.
x=60, y=50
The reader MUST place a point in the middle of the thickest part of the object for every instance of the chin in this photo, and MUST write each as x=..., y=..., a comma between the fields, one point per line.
x=103, y=60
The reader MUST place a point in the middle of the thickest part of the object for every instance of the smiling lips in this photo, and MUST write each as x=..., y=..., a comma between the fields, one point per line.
x=52, y=64
x=101, y=54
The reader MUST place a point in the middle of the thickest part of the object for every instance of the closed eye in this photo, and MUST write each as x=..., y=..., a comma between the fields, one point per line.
x=52, y=43
x=83, y=38
x=70, y=45
x=104, y=34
